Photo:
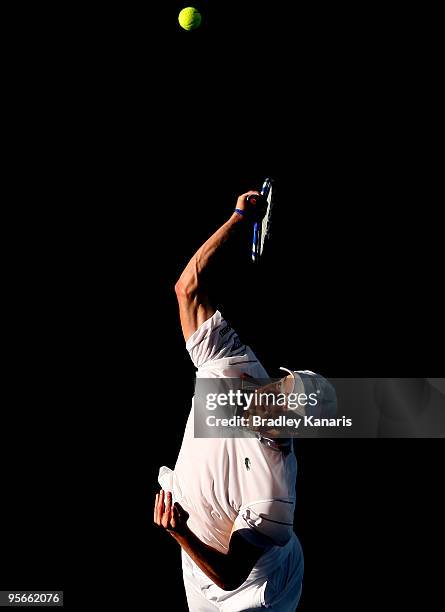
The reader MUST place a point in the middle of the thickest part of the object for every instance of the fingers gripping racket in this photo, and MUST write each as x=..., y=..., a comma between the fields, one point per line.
x=261, y=227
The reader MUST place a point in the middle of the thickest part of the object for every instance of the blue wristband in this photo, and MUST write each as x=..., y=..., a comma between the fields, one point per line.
x=240, y=212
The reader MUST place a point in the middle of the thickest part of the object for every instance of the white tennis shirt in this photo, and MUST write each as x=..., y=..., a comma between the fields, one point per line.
x=229, y=484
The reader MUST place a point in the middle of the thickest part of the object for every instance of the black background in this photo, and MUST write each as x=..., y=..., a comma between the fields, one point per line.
x=130, y=141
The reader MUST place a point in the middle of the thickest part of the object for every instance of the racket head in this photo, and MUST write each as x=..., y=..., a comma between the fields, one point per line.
x=261, y=229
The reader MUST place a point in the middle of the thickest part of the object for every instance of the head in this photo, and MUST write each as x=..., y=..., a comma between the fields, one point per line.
x=295, y=396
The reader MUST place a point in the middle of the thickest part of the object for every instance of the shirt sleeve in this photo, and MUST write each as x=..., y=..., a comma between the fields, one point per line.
x=266, y=523
x=214, y=339
x=313, y=384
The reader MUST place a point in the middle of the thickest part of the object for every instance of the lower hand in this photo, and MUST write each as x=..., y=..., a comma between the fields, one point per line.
x=172, y=518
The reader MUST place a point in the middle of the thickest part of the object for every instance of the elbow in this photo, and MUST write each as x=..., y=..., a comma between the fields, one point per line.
x=179, y=288
x=230, y=585
x=184, y=291
x=231, y=582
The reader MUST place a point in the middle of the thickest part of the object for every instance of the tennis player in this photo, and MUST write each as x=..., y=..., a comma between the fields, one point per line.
x=229, y=503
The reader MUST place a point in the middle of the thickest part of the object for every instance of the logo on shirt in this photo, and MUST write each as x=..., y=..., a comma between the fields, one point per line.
x=236, y=344
x=225, y=330
x=247, y=463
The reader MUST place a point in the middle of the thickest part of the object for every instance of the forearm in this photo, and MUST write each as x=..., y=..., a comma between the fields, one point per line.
x=190, y=279
x=228, y=571
x=214, y=564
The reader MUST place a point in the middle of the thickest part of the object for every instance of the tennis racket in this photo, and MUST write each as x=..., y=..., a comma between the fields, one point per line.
x=261, y=227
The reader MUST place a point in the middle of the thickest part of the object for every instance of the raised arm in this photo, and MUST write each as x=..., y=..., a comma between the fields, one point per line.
x=194, y=305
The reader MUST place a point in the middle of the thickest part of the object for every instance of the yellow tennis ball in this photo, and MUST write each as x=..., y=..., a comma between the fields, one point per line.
x=189, y=18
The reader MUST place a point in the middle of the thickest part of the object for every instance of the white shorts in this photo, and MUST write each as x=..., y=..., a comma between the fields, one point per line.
x=279, y=592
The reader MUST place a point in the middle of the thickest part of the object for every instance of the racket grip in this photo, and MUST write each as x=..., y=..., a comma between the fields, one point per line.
x=260, y=204
x=254, y=199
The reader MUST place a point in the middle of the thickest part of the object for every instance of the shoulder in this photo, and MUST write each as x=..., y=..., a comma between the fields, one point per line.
x=216, y=343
